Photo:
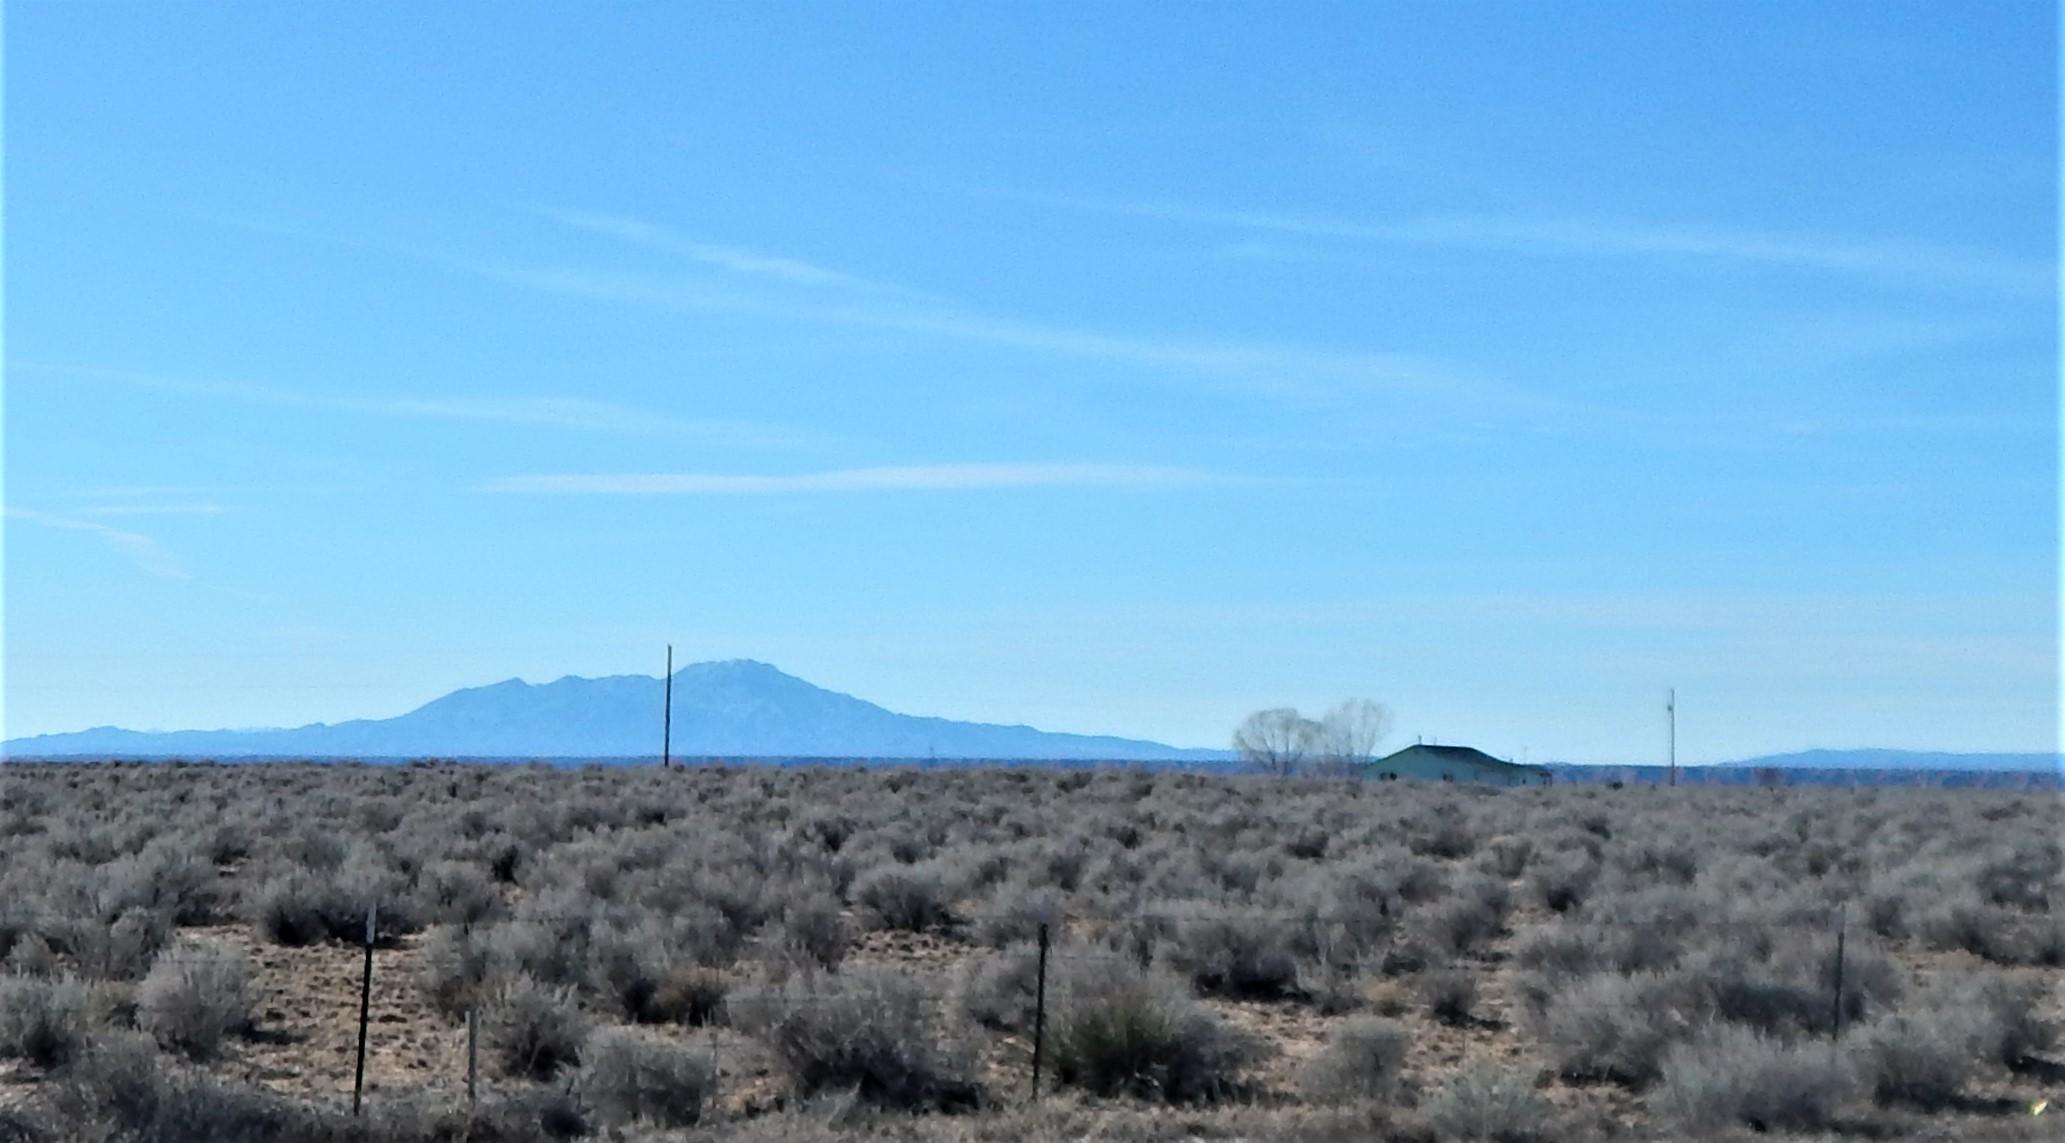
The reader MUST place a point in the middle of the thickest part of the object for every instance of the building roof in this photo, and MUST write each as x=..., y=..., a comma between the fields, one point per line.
x=1466, y=755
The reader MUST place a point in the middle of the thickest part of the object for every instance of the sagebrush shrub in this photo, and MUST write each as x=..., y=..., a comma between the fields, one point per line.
x=1616, y=1028
x=193, y=1000
x=628, y=966
x=1459, y=926
x=868, y=1031
x=1016, y=913
x=123, y=950
x=1363, y=1059
x=44, y=1021
x=913, y=898
x=627, y=1078
x=1507, y=856
x=998, y=991
x=122, y=1091
x=1562, y=883
x=813, y=927
x=691, y=994
x=1233, y=952
x=296, y=909
x=1730, y=1074
x=1333, y=988
x=2004, y=1016
x=456, y=892
x=456, y=970
x=1922, y=1060
x=1485, y=1105
x=32, y=956
x=532, y=1030
x=1450, y=995
x=1116, y=1029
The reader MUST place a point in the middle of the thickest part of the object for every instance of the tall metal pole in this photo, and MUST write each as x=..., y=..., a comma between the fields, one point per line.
x=667, y=716
x=1670, y=707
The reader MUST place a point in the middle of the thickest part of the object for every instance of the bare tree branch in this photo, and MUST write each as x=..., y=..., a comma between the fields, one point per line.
x=1276, y=741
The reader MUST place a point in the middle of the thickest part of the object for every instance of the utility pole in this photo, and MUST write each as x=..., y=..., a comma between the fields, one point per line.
x=667, y=715
x=1670, y=710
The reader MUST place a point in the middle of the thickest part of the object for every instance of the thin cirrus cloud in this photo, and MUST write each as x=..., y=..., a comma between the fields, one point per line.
x=102, y=511
x=890, y=478
x=1597, y=237
x=781, y=287
x=736, y=259
x=567, y=413
x=143, y=551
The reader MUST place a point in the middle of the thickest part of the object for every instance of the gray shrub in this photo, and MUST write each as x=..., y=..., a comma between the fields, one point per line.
x=1364, y=1058
x=1487, y=1105
x=1922, y=1060
x=1116, y=1029
x=533, y=1030
x=1730, y=1074
x=194, y=1000
x=47, y=1022
x=627, y=1077
x=914, y=898
x=868, y=1031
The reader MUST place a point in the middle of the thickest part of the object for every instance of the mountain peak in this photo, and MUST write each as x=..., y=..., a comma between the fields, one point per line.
x=731, y=708
x=741, y=668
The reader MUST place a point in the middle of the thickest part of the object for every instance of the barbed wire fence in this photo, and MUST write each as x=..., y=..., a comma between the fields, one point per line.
x=1067, y=943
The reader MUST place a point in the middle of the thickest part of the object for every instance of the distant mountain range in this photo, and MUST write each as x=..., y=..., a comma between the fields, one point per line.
x=1903, y=760
x=734, y=709
x=743, y=709
x=1846, y=768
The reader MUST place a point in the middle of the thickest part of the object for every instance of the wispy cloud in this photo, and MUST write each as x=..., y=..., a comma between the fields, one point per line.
x=1246, y=364
x=570, y=413
x=145, y=552
x=1603, y=237
x=152, y=510
x=736, y=259
x=895, y=478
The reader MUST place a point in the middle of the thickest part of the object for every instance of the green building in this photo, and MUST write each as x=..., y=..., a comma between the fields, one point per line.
x=1454, y=764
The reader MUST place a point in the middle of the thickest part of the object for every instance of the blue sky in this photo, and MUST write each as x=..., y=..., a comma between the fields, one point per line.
x=1109, y=368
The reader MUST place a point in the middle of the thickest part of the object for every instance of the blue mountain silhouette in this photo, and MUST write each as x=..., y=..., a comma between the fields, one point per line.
x=736, y=708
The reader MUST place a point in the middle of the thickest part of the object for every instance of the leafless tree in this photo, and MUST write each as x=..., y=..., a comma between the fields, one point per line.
x=1276, y=741
x=1348, y=736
